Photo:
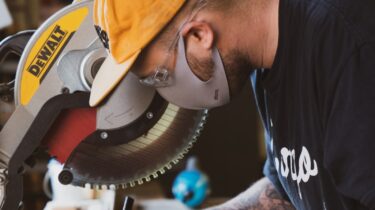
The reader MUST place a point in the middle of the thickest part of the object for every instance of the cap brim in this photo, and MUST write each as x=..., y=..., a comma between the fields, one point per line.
x=108, y=76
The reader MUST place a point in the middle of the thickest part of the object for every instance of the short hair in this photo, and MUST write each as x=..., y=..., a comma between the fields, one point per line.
x=218, y=5
x=166, y=36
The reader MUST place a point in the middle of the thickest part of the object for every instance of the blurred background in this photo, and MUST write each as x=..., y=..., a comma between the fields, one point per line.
x=230, y=150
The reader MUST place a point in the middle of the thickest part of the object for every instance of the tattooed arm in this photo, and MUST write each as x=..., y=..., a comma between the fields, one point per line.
x=261, y=196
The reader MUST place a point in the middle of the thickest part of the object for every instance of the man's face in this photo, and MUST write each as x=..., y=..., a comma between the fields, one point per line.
x=199, y=42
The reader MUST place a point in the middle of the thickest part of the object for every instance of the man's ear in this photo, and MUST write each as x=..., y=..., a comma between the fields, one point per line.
x=198, y=35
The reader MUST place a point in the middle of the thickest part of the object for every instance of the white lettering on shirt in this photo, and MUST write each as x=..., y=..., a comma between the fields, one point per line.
x=287, y=166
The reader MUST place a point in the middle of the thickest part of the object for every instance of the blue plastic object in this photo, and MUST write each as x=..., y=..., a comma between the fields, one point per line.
x=191, y=186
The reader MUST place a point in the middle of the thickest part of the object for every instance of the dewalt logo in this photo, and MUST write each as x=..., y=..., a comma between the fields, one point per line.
x=47, y=48
x=48, y=53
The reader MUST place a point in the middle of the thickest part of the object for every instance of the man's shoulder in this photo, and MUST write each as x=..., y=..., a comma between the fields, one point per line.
x=358, y=17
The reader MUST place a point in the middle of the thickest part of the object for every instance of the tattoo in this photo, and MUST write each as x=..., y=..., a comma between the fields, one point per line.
x=270, y=199
x=261, y=196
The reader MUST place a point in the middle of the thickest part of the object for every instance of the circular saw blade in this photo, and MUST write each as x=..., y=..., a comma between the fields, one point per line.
x=141, y=159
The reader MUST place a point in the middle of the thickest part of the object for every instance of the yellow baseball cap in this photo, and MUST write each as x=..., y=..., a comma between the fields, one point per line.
x=126, y=27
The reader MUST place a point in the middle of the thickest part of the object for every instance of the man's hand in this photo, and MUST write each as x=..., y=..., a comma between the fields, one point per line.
x=261, y=196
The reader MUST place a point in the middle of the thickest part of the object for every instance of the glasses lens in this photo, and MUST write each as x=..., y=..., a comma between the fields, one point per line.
x=159, y=79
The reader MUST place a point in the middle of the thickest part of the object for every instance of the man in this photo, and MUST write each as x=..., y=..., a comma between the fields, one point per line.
x=314, y=84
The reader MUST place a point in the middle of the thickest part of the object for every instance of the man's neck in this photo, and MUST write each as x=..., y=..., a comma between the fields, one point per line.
x=254, y=30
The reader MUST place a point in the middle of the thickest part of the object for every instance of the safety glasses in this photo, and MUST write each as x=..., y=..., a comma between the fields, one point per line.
x=161, y=76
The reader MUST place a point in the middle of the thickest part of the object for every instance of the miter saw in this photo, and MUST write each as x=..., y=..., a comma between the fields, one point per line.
x=135, y=135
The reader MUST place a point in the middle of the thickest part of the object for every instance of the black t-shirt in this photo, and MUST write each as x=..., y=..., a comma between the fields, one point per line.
x=318, y=104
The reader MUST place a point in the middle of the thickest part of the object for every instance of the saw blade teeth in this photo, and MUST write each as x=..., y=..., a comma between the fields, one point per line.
x=140, y=181
x=132, y=184
x=123, y=186
x=205, y=116
x=155, y=175
x=148, y=179
x=176, y=161
x=162, y=171
x=168, y=166
x=180, y=157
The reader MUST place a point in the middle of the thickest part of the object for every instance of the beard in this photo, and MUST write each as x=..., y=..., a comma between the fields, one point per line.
x=237, y=69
